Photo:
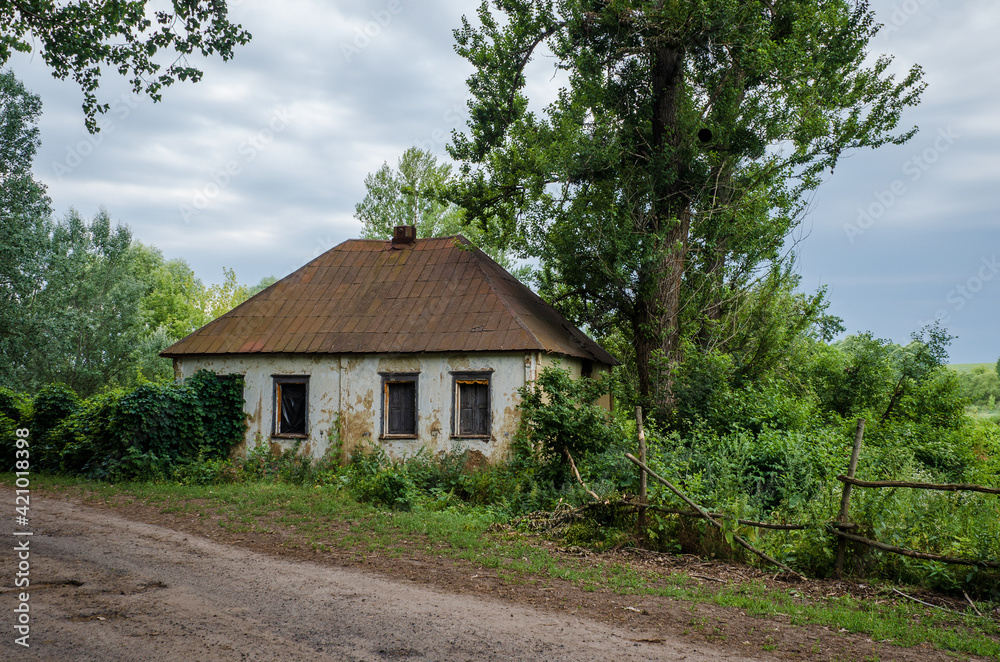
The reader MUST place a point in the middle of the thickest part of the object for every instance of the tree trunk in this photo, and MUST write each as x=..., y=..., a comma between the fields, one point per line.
x=670, y=220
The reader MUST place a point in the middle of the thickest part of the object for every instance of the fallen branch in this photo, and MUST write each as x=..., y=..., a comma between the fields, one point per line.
x=743, y=543
x=711, y=579
x=946, y=487
x=972, y=604
x=910, y=597
x=912, y=554
x=744, y=522
x=576, y=473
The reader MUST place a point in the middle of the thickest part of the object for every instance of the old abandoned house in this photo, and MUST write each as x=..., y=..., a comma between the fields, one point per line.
x=407, y=343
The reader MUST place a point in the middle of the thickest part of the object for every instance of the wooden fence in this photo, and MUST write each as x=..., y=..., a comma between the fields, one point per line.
x=838, y=527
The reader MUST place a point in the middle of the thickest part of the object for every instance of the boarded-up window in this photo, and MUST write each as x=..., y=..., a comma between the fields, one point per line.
x=400, y=405
x=291, y=405
x=472, y=406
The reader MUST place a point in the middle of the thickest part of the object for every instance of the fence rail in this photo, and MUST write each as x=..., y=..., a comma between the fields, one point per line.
x=838, y=526
x=945, y=487
x=912, y=554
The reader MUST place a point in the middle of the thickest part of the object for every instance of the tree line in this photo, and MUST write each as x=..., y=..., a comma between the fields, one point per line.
x=82, y=302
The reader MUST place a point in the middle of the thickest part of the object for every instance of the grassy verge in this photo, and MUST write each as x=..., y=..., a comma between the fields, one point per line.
x=466, y=534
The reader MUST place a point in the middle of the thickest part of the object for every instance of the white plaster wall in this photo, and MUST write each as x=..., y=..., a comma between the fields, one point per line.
x=348, y=389
x=258, y=393
x=362, y=405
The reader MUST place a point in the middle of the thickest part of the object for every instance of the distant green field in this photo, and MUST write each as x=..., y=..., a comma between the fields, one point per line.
x=968, y=367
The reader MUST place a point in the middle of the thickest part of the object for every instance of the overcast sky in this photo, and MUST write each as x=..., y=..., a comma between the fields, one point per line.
x=258, y=167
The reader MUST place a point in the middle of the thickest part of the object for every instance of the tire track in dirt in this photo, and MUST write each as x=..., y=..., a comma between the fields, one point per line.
x=108, y=588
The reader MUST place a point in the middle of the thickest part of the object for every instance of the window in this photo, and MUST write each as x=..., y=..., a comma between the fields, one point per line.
x=472, y=413
x=291, y=406
x=399, y=405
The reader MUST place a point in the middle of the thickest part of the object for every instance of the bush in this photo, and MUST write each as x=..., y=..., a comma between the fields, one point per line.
x=374, y=478
x=221, y=401
x=558, y=416
x=52, y=404
x=144, y=433
x=13, y=405
x=87, y=440
x=209, y=471
x=157, y=425
x=267, y=462
x=14, y=413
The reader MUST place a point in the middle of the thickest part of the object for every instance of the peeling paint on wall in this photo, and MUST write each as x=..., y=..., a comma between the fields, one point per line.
x=345, y=397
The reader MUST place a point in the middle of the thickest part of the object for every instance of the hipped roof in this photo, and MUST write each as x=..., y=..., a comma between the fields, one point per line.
x=370, y=296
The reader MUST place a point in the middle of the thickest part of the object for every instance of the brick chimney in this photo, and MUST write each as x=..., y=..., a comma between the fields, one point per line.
x=404, y=234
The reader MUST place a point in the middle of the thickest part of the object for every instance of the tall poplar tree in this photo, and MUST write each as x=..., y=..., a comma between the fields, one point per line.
x=666, y=176
x=24, y=221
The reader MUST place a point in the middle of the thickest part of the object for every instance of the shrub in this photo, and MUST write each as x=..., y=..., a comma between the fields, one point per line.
x=14, y=413
x=374, y=478
x=52, y=404
x=13, y=405
x=87, y=440
x=209, y=471
x=267, y=462
x=157, y=425
x=143, y=433
x=558, y=415
x=221, y=400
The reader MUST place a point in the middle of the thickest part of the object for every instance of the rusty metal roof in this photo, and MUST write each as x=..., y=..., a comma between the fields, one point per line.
x=370, y=296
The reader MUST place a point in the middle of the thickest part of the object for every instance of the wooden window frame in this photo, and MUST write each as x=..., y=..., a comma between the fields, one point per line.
x=484, y=377
x=278, y=381
x=388, y=379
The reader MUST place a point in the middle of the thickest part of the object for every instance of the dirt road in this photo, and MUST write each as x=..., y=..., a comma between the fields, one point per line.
x=108, y=588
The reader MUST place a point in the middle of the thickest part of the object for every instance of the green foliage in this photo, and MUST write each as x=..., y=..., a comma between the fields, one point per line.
x=80, y=302
x=85, y=319
x=24, y=224
x=558, y=415
x=377, y=479
x=666, y=176
x=88, y=440
x=220, y=397
x=956, y=524
x=142, y=433
x=172, y=301
x=217, y=300
x=79, y=39
x=206, y=471
x=980, y=385
x=414, y=194
x=13, y=405
x=264, y=462
x=52, y=405
x=14, y=413
x=271, y=463
x=157, y=424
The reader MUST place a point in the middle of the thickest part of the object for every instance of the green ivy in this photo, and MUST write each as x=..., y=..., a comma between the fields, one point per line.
x=221, y=401
x=146, y=432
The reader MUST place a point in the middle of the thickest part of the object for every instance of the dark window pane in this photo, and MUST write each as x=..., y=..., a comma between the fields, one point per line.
x=401, y=408
x=293, y=408
x=474, y=408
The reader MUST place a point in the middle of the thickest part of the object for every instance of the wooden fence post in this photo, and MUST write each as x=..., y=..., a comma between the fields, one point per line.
x=845, y=499
x=641, y=522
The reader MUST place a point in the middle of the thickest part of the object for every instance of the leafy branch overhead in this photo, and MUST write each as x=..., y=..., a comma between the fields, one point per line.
x=677, y=157
x=78, y=39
